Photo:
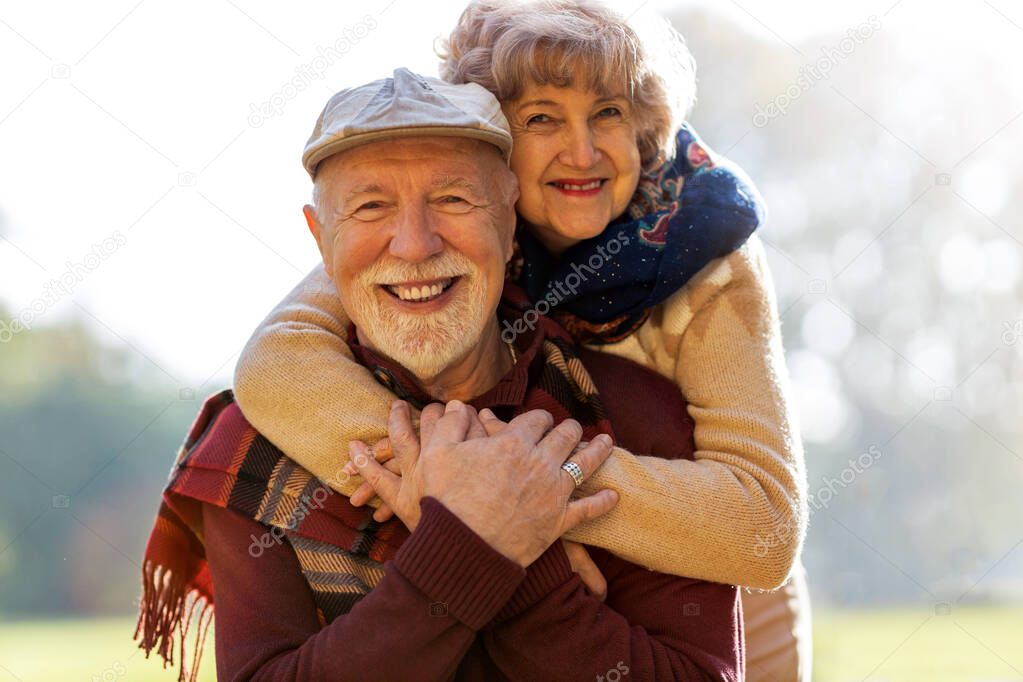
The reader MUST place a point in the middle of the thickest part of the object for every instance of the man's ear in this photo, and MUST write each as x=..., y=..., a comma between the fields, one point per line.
x=318, y=234
x=509, y=242
x=513, y=199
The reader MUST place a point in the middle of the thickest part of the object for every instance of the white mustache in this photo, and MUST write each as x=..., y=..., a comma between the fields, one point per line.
x=446, y=266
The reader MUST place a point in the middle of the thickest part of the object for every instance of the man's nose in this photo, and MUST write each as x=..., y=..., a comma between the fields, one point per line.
x=415, y=237
x=580, y=149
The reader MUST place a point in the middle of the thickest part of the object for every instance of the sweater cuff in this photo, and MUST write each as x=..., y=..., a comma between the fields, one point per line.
x=543, y=576
x=461, y=574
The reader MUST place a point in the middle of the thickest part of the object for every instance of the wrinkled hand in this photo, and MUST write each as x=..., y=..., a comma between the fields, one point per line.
x=509, y=488
x=381, y=452
x=398, y=460
x=578, y=557
x=588, y=572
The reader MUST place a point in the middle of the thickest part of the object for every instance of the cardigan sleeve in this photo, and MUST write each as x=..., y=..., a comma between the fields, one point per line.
x=298, y=383
x=736, y=513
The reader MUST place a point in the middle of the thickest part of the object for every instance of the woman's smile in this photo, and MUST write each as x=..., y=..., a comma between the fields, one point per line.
x=584, y=188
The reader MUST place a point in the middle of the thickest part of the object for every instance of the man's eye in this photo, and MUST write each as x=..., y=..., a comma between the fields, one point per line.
x=453, y=203
x=370, y=210
x=370, y=207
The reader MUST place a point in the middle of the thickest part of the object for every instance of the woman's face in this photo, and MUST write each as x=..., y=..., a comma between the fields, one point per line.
x=576, y=159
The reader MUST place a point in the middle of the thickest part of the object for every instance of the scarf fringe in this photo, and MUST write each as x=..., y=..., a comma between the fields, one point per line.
x=165, y=609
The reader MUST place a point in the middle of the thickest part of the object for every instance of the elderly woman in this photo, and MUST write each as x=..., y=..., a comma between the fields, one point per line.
x=634, y=237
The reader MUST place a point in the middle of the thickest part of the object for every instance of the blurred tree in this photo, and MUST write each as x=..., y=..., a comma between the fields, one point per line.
x=86, y=441
x=898, y=278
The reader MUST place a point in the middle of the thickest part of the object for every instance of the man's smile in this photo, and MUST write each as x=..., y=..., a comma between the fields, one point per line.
x=418, y=295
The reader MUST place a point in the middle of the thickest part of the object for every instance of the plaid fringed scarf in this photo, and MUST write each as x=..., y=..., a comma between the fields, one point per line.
x=225, y=462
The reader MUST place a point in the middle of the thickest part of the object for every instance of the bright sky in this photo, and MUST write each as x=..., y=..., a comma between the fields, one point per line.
x=136, y=123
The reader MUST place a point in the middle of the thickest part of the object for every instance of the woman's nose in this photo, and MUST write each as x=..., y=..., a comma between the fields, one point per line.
x=580, y=150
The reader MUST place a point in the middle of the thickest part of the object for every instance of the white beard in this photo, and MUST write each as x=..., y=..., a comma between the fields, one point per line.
x=427, y=343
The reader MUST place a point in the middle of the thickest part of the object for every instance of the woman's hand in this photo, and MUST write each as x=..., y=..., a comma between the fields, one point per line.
x=588, y=572
x=382, y=453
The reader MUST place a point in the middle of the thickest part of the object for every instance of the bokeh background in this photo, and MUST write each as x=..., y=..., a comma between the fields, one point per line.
x=150, y=195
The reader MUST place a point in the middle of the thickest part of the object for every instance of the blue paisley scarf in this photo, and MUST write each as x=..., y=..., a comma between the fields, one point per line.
x=685, y=213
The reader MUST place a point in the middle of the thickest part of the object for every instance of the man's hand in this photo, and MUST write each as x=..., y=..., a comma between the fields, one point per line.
x=509, y=488
x=399, y=459
x=383, y=453
x=578, y=557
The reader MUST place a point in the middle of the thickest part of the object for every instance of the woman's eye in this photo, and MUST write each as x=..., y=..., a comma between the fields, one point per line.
x=452, y=199
x=538, y=118
x=609, y=111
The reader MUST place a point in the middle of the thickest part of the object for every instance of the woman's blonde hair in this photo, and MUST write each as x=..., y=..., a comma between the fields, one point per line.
x=505, y=45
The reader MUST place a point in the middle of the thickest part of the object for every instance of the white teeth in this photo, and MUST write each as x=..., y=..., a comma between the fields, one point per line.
x=419, y=294
x=580, y=188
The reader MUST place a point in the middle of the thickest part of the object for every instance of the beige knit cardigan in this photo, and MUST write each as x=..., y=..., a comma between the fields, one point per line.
x=735, y=514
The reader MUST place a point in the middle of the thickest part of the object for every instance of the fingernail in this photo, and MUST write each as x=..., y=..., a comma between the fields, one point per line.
x=605, y=439
x=357, y=451
x=485, y=413
x=453, y=405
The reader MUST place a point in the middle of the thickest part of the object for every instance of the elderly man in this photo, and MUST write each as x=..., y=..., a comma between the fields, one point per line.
x=414, y=218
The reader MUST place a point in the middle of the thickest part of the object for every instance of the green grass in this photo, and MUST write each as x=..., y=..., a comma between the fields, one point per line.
x=80, y=649
x=900, y=645
x=919, y=645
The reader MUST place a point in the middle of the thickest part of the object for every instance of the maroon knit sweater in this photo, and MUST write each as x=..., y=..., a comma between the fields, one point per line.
x=451, y=607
